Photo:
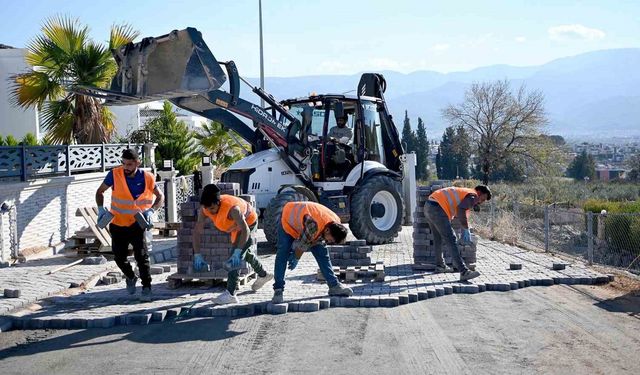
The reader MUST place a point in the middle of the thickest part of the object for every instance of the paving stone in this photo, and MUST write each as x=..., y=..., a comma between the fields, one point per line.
x=422, y=295
x=166, y=268
x=413, y=297
x=515, y=266
x=137, y=319
x=350, y=302
x=309, y=306
x=558, y=266
x=403, y=299
x=389, y=302
x=324, y=303
x=12, y=293
x=279, y=308
x=371, y=302
x=158, y=316
x=155, y=270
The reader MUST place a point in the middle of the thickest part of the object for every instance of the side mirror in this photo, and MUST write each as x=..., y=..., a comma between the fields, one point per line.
x=338, y=110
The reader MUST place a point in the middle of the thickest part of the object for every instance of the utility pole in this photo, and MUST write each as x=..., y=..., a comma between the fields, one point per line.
x=261, y=53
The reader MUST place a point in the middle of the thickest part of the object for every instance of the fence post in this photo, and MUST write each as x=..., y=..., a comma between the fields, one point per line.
x=170, y=195
x=493, y=214
x=103, y=158
x=590, y=237
x=23, y=163
x=68, y=156
x=546, y=228
x=516, y=210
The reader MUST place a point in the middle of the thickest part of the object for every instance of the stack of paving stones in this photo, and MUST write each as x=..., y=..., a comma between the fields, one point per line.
x=215, y=246
x=423, y=245
x=354, y=253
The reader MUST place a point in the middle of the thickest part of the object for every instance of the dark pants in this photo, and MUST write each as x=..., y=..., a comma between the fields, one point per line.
x=249, y=257
x=443, y=234
x=121, y=237
x=320, y=252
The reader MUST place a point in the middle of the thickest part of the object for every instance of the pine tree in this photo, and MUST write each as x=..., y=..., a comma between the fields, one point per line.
x=408, y=136
x=422, y=151
x=446, y=167
x=582, y=166
x=462, y=152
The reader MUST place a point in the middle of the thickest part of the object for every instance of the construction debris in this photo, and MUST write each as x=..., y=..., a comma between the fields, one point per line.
x=354, y=253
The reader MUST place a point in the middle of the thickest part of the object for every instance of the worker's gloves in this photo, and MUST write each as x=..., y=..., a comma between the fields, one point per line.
x=236, y=258
x=148, y=216
x=199, y=264
x=293, y=260
x=344, y=140
x=101, y=212
x=466, y=236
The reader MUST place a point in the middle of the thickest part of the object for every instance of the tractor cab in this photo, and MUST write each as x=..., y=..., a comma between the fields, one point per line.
x=340, y=132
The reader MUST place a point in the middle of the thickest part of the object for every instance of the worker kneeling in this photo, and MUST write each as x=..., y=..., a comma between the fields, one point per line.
x=236, y=216
x=306, y=226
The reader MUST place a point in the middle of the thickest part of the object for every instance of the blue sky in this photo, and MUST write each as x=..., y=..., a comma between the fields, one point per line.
x=350, y=36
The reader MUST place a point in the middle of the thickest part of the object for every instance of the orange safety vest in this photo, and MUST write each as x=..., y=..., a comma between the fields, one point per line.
x=293, y=215
x=222, y=221
x=123, y=206
x=449, y=199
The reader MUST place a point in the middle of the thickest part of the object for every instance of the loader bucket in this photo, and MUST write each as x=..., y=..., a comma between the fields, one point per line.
x=178, y=64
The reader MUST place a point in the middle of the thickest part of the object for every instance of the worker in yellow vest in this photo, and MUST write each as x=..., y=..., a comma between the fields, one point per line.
x=306, y=226
x=443, y=206
x=236, y=216
x=133, y=192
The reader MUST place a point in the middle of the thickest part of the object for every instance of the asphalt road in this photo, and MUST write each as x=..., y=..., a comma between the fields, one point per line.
x=559, y=330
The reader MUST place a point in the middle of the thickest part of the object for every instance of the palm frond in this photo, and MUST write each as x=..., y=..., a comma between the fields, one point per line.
x=33, y=88
x=66, y=33
x=122, y=34
x=57, y=120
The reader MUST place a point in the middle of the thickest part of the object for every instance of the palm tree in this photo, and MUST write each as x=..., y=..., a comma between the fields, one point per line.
x=63, y=56
x=218, y=143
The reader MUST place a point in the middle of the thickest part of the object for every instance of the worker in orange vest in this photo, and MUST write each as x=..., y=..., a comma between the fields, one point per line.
x=443, y=206
x=133, y=191
x=306, y=226
x=236, y=216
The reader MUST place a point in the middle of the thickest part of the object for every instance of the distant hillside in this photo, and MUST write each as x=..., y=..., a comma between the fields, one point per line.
x=588, y=94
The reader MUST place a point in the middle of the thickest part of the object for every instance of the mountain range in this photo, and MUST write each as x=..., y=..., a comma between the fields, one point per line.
x=591, y=94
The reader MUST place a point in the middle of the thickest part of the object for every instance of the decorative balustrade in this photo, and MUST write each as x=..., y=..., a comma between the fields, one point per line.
x=32, y=162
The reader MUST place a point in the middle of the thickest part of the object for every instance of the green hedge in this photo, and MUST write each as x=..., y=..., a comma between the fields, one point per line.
x=596, y=206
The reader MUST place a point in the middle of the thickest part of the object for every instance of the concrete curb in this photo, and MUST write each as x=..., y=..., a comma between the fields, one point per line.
x=244, y=310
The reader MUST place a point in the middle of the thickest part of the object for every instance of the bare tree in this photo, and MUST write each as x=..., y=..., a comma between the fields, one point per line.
x=502, y=123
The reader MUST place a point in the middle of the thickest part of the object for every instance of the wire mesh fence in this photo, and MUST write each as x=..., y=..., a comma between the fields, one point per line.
x=608, y=239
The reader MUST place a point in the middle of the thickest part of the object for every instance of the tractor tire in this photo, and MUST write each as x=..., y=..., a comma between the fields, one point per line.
x=377, y=210
x=273, y=213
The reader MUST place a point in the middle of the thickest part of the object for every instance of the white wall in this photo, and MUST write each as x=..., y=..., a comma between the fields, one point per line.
x=45, y=209
x=13, y=120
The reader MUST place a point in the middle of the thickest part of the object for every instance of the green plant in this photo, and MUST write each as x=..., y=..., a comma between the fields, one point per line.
x=29, y=140
x=64, y=55
x=174, y=140
x=219, y=144
x=11, y=140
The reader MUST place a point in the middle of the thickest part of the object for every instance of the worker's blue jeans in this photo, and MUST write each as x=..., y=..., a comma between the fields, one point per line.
x=443, y=234
x=320, y=252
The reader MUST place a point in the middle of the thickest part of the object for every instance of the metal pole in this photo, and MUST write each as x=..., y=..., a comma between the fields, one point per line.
x=590, y=237
x=68, y=156
x=546, y=228
x=261, y=53
x=23, y=164
x=102, y=156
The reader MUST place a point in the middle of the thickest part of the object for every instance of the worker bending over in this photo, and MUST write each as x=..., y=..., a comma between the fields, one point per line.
x=306, y=226
x=443, y=206
x=236, y=216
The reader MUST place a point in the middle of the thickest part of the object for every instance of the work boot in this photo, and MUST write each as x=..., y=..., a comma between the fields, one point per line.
x=340, y=290
x=225, y=298
x=131, y=285
x=444, y=269
x=468, y=275
x=145, y=296
x=277, y=296
x=259, y=283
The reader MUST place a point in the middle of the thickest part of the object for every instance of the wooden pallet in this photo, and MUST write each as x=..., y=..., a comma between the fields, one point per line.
x=178, y=279
x=102, y=236
x=372, y=272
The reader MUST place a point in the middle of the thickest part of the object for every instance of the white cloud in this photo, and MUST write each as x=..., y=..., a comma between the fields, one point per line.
x=574, y=32
x=520, y=39
x=440, y=47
